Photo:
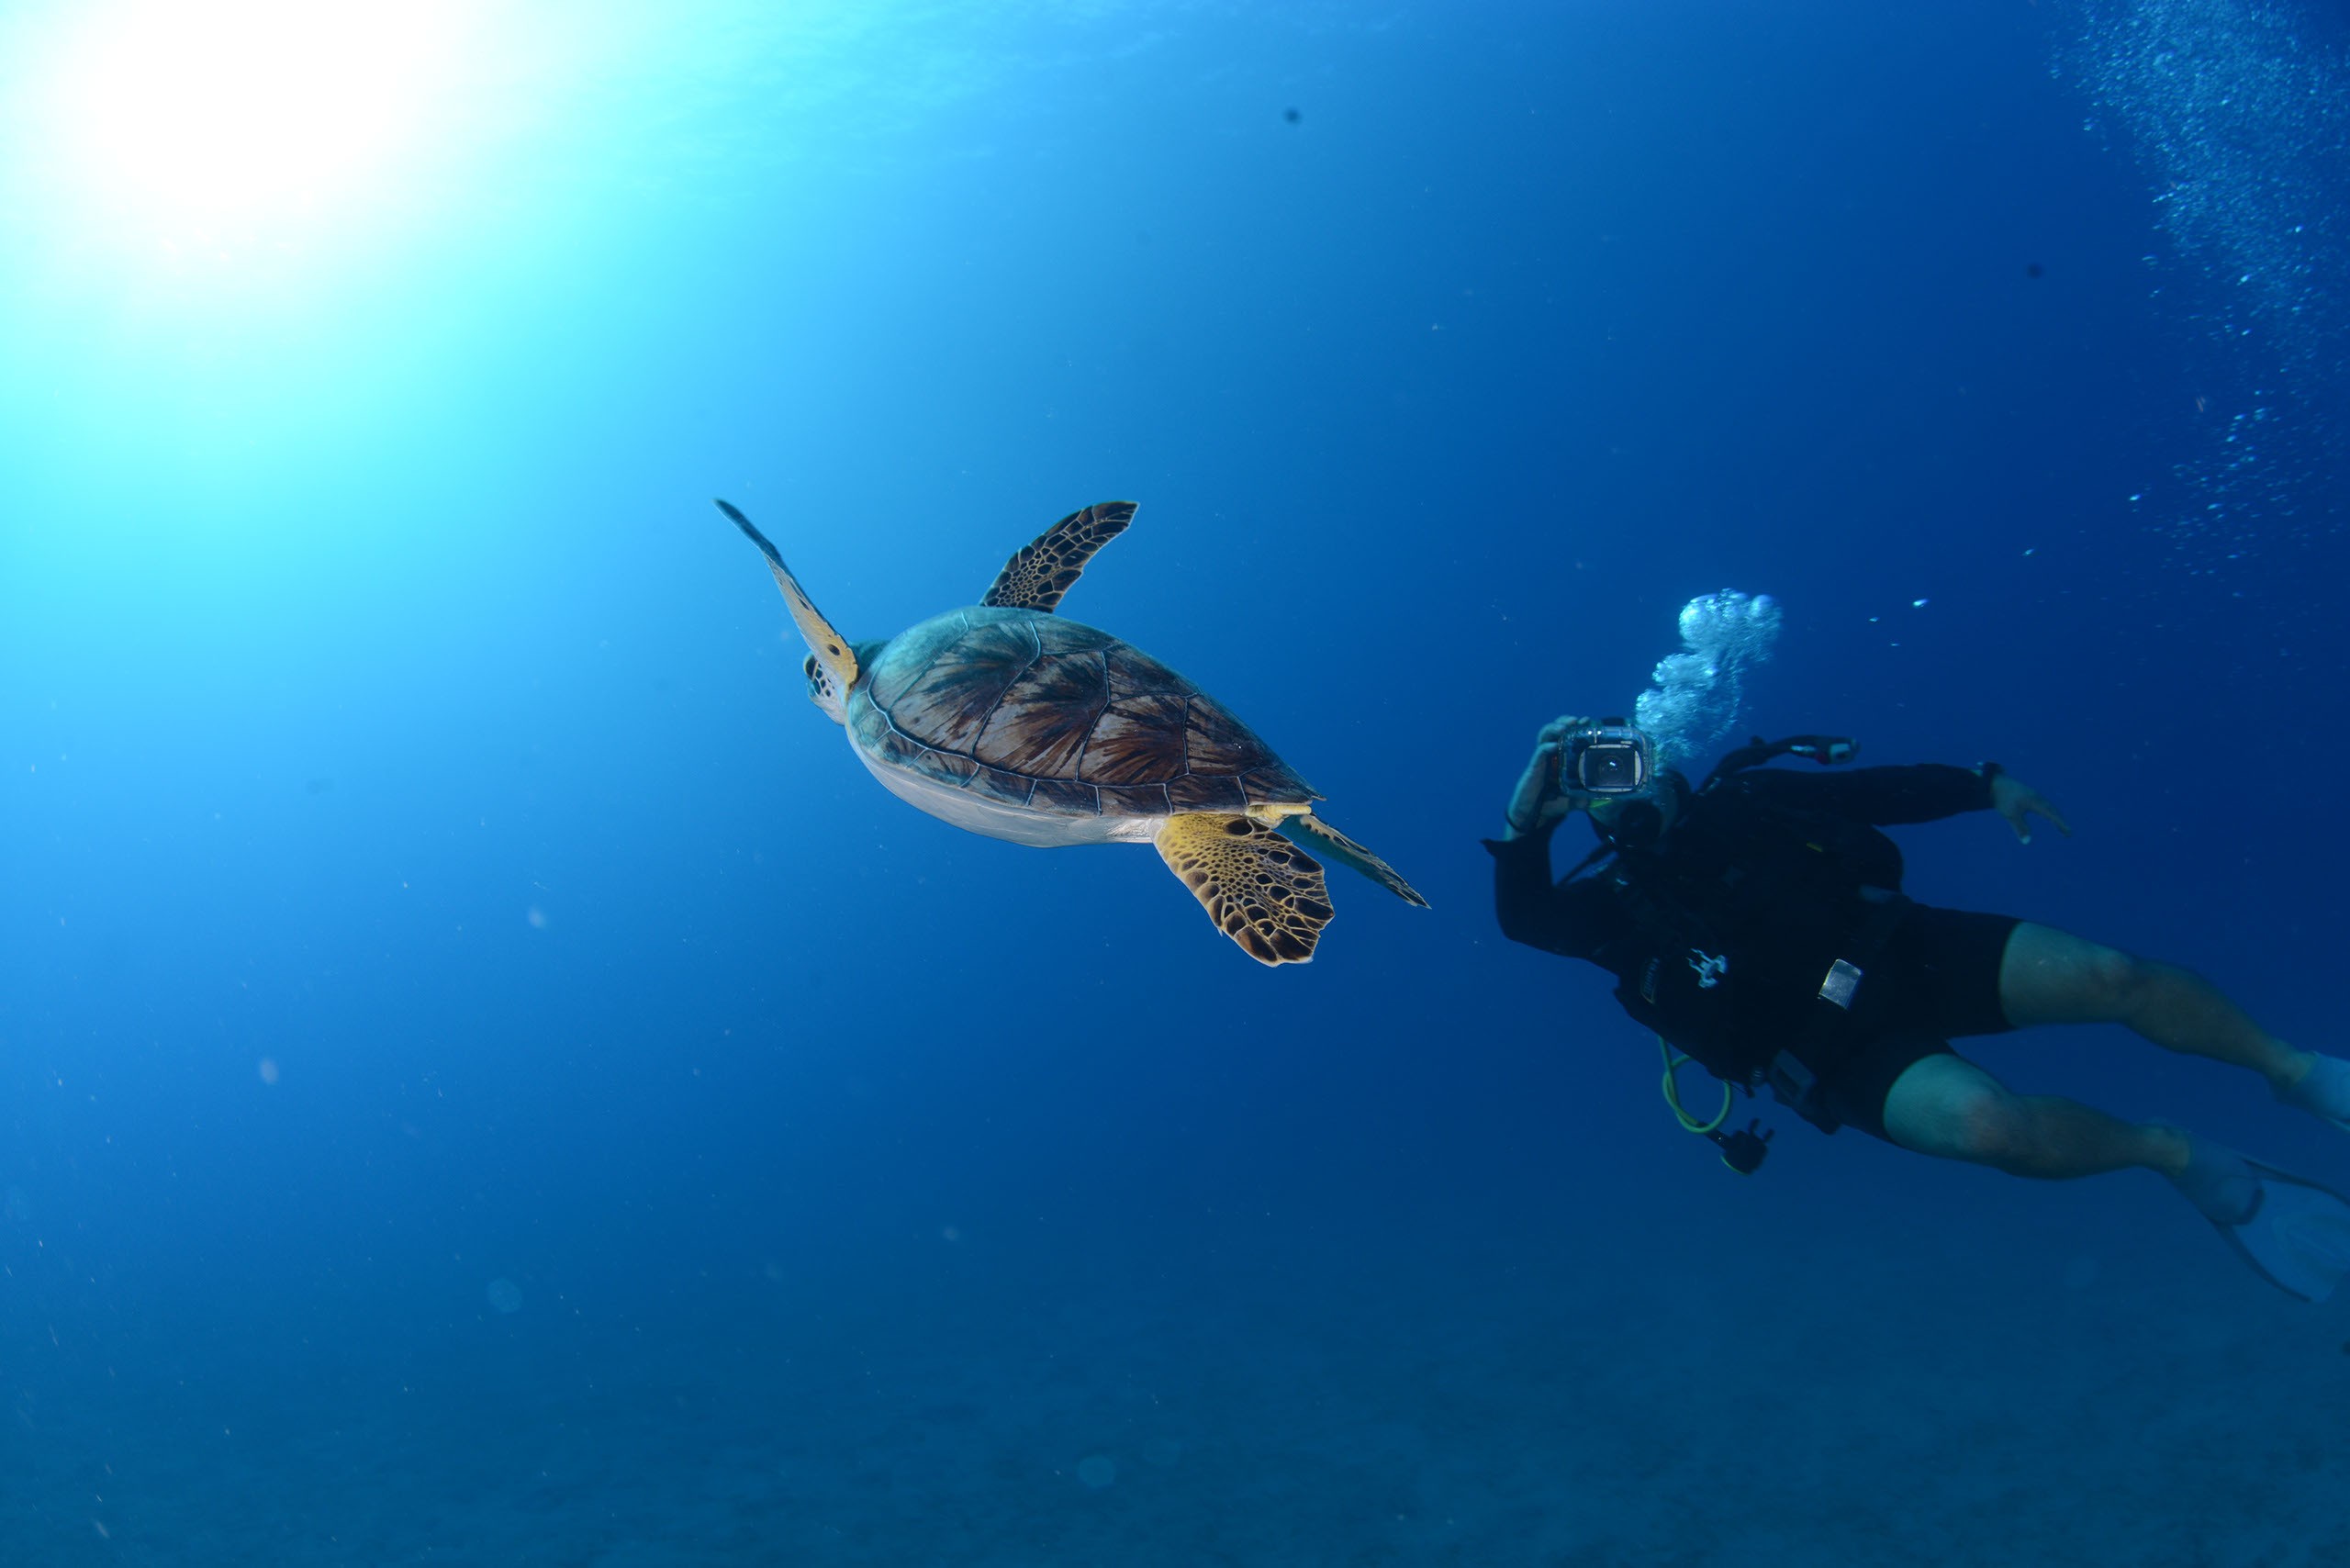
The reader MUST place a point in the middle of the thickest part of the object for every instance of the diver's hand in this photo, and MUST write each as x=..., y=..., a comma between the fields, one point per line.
x=1537, y=803
x=2019, y=802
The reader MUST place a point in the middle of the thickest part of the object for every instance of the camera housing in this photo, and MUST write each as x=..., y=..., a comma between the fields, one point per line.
x=1610, y=758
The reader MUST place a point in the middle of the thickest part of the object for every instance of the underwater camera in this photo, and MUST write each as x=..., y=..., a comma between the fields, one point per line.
x=1610, y=758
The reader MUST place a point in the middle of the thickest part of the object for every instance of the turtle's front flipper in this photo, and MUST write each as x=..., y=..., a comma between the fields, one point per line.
x=1344, y=848
x=1045, y=568
x=832, y=649
x=1261, y=891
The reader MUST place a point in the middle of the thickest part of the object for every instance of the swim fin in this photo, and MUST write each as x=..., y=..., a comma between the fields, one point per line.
x=2323, y=1090
x=2295, y=1232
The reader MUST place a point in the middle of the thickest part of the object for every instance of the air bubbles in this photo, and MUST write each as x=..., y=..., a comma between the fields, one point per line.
x=1695, y=699
x=2243, y=130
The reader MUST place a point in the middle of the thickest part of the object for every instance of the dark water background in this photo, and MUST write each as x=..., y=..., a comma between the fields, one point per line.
x=423, y=887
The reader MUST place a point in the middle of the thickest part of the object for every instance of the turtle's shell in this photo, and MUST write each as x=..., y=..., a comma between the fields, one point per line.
x=1029, y=710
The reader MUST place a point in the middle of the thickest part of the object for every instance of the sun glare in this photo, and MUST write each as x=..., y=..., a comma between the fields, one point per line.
x=237, y=122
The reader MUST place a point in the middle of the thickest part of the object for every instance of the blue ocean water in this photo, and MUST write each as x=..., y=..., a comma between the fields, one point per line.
x=486, y=1076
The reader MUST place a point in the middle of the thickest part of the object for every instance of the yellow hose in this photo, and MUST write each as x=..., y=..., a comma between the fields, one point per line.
x=1672, y=1063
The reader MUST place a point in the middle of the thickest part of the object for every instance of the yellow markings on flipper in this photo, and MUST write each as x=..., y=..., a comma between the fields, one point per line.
x=1049, y=565
x=832, y=649
x=1355, y=855
x=1260, y=889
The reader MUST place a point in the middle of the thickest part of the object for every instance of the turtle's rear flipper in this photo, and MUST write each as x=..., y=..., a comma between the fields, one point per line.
x=1345, y=849
x=1261, y=891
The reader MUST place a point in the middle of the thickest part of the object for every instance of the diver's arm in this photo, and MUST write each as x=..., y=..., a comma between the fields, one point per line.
x=1572, y=919
x=1537, y=804
x=2020, y=803
x=1924, y=792
x=1888, y=797
x=1556, y=917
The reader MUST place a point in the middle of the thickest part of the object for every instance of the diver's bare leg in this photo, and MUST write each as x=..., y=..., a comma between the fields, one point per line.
x=2052, y=977
x=1946, y=1106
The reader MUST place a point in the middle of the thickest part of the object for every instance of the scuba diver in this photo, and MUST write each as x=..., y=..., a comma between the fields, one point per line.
x=1756, y=923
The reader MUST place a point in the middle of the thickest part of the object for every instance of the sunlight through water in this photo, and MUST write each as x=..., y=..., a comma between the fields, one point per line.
x=176, y=129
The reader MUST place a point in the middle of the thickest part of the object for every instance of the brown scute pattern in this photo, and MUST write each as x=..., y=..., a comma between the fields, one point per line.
x=1063, y=798
x=997, y=785
x=909, y=654
x=1278, y=785
x=1134, y=673
x=1057, y=636
x=895, y=749
x=1043, y=570
x=1137, y=740
x=1027, y=698
x=957, y=694
x=1044, y=718
x=1216, y=741
x=1027, y=621
x=868, y=722
x=1207, y=793
x=1261, y=891
x=1136, y=801
x=945, y=766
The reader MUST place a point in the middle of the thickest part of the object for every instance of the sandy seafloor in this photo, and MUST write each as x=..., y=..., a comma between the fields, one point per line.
x=1441, y=1396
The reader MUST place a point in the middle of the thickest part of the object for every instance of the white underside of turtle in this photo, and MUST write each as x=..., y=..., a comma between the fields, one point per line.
x=1015, y=824
x=1011, y=722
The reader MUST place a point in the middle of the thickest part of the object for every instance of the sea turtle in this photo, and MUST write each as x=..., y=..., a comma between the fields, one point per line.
x=1007, y=719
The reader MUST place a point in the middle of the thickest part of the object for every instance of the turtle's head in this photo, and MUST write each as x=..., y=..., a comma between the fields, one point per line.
x=824, y=691
x=827, y=689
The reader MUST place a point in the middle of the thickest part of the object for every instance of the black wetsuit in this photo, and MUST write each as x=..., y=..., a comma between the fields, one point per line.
x=1720, y=936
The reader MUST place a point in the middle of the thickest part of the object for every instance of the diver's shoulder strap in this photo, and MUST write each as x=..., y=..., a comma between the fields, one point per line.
x=1825, y=750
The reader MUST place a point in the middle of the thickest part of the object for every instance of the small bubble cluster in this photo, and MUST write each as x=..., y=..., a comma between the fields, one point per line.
x=2238, y=112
